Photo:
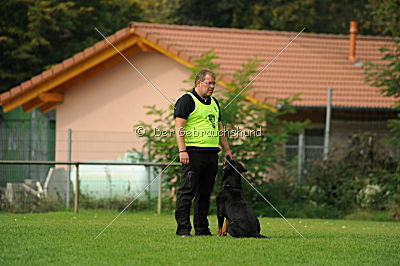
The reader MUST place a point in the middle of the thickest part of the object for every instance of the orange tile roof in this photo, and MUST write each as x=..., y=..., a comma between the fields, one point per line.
x=310, y=65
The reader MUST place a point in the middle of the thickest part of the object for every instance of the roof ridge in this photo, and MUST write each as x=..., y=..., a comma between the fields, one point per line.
x=256, y=31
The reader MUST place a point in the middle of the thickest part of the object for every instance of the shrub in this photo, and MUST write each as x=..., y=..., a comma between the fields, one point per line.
x=260, y=154
x=364, y=178
x=28, y=204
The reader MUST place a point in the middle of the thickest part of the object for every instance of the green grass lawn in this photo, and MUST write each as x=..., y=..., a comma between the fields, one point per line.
x=145, y=238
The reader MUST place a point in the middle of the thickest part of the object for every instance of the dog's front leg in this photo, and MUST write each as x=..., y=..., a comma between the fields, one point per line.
x=220, y=215
x=221, y=219
x=220, y=227
x=225, y=228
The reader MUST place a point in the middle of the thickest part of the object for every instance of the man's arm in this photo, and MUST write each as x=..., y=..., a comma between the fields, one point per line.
x=180, y=139
x=223, y=142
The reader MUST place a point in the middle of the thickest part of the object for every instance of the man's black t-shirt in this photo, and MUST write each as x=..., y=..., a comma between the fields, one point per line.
x=185, y=105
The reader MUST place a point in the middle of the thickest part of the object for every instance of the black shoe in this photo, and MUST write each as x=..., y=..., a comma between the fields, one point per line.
x=184, y=235
x=206, y=233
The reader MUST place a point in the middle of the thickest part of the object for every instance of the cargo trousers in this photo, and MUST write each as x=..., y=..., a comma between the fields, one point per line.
x=197, y=182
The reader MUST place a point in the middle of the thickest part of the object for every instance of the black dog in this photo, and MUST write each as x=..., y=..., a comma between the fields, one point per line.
x=241, y=221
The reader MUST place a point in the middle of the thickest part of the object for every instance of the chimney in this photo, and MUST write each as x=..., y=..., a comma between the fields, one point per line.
x=352, y=47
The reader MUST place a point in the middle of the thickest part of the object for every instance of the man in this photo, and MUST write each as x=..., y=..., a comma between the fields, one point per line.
x=197, y=124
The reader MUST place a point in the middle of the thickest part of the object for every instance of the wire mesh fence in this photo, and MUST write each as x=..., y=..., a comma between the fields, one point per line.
x=19, y=141
x=25, y=182
x=106, y=185
x=25, y=140
x=109, y=185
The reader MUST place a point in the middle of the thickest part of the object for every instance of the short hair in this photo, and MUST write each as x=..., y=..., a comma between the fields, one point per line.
x=201, y=75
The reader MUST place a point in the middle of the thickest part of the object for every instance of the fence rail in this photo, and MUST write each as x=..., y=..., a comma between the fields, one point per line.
x=85, y=163
x=78, y=163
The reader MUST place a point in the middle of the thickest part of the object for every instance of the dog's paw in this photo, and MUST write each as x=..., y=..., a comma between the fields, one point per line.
x=221, y=233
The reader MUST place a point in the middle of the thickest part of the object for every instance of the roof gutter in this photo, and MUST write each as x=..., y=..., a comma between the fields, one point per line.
x=315, y=107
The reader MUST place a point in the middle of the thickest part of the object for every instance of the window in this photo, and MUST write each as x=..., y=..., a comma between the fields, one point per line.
x=312, y=141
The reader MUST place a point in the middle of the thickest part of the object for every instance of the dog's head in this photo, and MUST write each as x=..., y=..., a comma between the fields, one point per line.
x=233, y=166
x=232, y=171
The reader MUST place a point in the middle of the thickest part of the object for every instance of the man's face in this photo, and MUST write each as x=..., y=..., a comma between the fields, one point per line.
x=206, y=87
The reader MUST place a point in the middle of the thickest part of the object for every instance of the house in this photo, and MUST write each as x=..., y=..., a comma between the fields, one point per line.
x=99, y=92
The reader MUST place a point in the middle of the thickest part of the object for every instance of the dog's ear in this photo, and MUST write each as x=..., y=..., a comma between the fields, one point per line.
x=227, y=166
x=241, y=169
x=235, y=166
x=228, y=157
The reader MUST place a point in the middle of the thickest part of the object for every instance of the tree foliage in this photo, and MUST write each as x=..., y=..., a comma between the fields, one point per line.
x=158, y=11
x=319, y=16
x=346, y=183
x=259, y=152
x=385, y=16
x=35, y=34
x=386, y=74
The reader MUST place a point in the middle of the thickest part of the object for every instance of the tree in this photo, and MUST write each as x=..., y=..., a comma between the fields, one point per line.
x=158, y=11
x=385, y=16
x=259, y=152
x=321, y=16
x=224, y=13
x=34, y=35
x=386, y=75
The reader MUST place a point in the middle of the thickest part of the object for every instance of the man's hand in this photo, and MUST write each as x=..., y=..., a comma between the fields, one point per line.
x=184, y=157
x=227, y=153
x=224, y=142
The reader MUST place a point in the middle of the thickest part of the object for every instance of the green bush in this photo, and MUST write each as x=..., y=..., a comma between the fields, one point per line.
x=365, y=178
x=29, y=204
x=260, y=153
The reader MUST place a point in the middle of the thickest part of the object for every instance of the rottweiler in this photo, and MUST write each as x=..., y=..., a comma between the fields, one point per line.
x=241, y=221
